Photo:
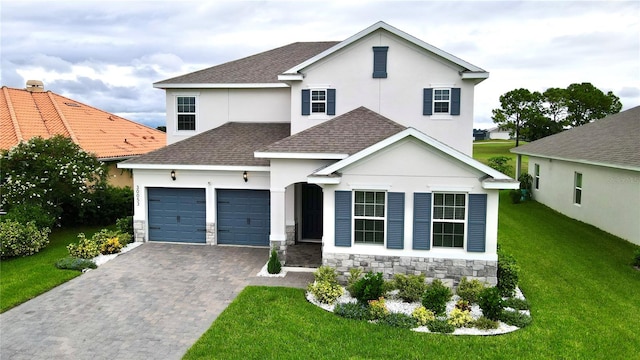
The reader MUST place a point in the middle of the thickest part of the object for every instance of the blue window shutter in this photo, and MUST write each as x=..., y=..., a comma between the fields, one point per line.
x=331, y=101
x=306, y=102
x=476, y=234
x=395, y=220
x=421, y=221
x=455, y=101
x=380, y=62
x=343, y=218
x=427, y=107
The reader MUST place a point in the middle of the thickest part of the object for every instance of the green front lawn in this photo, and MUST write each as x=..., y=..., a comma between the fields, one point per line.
x=584, y=298
x=483, y=150
x=24, y=278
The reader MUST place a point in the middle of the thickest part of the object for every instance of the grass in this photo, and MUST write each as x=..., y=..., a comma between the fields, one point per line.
x=581, y=288
x=484, y=150
x=24, y=278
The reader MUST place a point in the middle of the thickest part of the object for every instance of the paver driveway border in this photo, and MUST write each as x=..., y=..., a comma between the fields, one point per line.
x=153, y=302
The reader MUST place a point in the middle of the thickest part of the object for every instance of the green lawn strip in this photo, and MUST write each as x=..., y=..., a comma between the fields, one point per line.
x=24, y=278
x=484, y=150
x=578, y=280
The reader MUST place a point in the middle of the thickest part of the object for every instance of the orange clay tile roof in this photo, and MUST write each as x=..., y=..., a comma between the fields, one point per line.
x=25, y=114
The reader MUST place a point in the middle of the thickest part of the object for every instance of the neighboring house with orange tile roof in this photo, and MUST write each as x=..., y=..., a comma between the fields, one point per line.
x=31, y=112
x=364, y=145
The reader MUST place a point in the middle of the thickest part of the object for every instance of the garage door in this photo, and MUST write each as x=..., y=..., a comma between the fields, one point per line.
x=243, y=217
x=177, y=215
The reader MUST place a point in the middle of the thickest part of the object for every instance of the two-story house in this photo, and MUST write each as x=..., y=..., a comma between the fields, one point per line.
x=364, y=144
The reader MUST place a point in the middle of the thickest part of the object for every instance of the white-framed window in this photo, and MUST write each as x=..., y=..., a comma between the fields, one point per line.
x=441, y=101
x=449, y=213
x=536, y=176
x=186, y=113
x=369, y=217
x=318, y=101
x=577, y=188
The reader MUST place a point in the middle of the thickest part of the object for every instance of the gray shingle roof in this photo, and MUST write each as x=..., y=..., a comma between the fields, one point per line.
x=229, y=144
x=344, y=134
x=260, y=68
x=613, y=140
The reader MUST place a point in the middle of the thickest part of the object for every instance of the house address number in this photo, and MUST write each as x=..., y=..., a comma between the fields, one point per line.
x=137, y=195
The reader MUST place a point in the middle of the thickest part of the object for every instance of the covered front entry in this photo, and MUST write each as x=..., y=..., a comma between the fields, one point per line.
x=177, y=215
x=243, y=217
x=311, y=212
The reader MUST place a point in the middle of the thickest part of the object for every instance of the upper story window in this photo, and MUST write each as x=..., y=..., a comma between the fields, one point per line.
x=318, y=101
x=369, y=217
x=186, y=113
x=449, y=219
x=441, y=101
x=577, y=191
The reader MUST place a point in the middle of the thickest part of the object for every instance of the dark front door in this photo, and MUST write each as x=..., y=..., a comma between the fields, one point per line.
x=311, y=212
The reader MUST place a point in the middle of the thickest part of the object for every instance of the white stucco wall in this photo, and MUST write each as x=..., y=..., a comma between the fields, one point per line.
x=610, y=197
x=208, y=180
x=215, y=107
x=399, y=97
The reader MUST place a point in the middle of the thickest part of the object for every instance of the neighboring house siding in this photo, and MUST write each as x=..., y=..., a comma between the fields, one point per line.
x=499, y=135
x=610, y=197
x=216, y=107
x=399, y=96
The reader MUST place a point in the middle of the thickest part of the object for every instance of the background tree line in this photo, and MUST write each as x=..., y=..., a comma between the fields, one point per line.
x=533, y=115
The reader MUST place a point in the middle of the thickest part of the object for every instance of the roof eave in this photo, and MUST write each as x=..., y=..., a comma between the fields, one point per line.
x=299, y=155
x=220, y=85
x=580, y=161
x=192, y=167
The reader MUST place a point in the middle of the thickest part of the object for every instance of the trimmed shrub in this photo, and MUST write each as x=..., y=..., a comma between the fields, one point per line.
x=508, y=274
x=273, y=265
x=410, y=287
x=354, y=275
x=463, y=305
x=17, y=239
x=325, y=292
x=470, y=290
x=84, y=248
x=110, y=246
x=440, y=326
x=460, y=318
x=108, y=204
x=636, y=258
x=356, y=311
x=72, y=263
x=436, y=296
x=515, y=318
x=422, y=315
x=515, y=303
x=26, y=212
x=369, y=287
x=326, y=273
x=399, y=320
x=484, y=323
x=490, y=302
x=125, y=225
x=378, y=308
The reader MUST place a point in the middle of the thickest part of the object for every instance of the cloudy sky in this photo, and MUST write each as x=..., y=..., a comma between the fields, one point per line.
x=109, y=53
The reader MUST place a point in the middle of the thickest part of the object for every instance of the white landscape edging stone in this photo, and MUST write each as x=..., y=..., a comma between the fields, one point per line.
x=101, y=259
x=398, y=306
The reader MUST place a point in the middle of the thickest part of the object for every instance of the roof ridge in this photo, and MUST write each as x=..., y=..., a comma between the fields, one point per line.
x=12, y=113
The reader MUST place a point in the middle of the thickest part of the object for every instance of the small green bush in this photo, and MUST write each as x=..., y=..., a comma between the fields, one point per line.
x=410, y=287
x=423, y=316
x=636, y=258
x=526, y=183
x=369, y=287
x=515, y=303
x=356, y=311
x=440, y=326
x=515, y=196
x=501, y=163
x=273, y=265
x=378, y=308
x=435, y=297
x=325, y=292
x=463, y=305
x=110, y=246
x=490, y=302
x=508, y=274
x=84, y=248
x=125, y=225
x=326, y=273
x=354, y=275
x=515, y=318
x=460, y=318
x=484, y=323
x=71, y=263
x=17, y=239
x=26, y=212
x=399, y=320
x=469, y=290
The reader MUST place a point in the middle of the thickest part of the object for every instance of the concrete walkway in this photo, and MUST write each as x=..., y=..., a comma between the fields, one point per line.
x=153, y=302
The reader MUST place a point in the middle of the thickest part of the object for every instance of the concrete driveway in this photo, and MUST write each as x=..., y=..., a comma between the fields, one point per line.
x=153, y=302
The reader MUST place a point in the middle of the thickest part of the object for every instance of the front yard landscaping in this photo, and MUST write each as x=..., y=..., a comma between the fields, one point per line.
x=582, y=290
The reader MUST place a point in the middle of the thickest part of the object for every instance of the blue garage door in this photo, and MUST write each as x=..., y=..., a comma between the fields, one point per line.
x=177, y=215
x=243, y=217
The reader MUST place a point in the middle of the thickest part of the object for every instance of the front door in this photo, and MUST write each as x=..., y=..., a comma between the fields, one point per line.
x=311, y=212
